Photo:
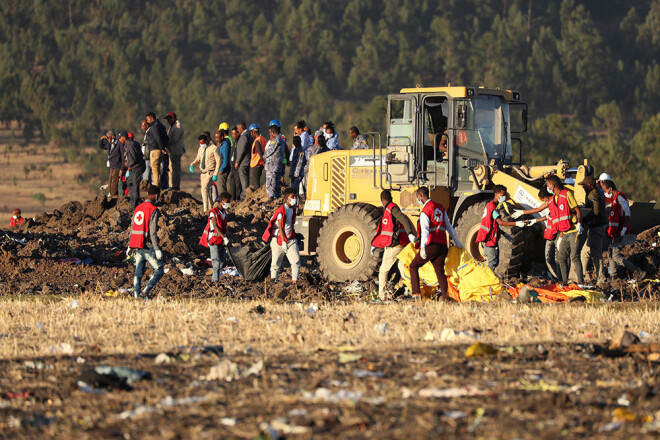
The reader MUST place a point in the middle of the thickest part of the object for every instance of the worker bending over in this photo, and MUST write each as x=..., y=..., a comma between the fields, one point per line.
x=144, y=242
x=395, y=231
x=432, y=238
x=281, y=235
x=489, y=231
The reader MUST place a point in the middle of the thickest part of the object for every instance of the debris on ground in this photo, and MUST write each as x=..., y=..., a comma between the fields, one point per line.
x=111, y=378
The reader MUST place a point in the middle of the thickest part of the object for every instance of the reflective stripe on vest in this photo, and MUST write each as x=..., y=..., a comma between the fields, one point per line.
x=563, y=221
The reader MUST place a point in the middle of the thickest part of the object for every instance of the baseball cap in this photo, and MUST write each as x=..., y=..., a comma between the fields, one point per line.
x=170, y=115
x=604, y=176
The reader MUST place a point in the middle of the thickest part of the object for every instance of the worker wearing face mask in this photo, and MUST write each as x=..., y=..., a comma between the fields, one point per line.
x=617, y=228
x=209, y=161
x=281, y=235
x=16, y=219
x=395, y=231
x=489, y=231
x=215, y=234
x=432, y=229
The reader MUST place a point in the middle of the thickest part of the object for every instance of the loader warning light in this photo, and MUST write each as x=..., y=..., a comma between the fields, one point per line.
x=516, y=96
x=470, y=93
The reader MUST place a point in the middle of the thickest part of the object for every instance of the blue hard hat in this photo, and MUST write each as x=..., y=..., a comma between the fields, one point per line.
x=276, y=123
x=254, y=127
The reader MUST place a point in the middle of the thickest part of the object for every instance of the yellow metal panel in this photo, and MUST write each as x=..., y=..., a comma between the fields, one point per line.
x=461, y=92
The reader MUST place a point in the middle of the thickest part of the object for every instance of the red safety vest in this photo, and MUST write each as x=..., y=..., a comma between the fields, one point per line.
x=140, y=228
x=616, y=215
x=563, y=211
x=551, y=229
x=385, y=230
x=256, y=159
x=436, y=214
x=15, y=222
x=213, y=234
x=272, y=228
x=489, y=231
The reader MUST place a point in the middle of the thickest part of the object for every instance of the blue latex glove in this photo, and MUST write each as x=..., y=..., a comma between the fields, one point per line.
x=192, y=169
x=214, y=178
x=128, y=173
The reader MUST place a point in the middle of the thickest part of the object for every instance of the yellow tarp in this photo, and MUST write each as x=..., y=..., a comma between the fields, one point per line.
x=468, y=279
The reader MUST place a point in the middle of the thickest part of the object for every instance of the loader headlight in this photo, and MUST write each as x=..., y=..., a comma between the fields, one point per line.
x=516, y=96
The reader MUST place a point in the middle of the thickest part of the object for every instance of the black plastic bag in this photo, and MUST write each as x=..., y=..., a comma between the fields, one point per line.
x=252, y=260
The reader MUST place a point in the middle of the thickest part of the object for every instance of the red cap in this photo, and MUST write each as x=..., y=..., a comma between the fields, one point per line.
x=130, y=135
x=171, y=115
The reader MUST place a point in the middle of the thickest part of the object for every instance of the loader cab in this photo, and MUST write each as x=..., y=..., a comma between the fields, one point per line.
x=436, y=136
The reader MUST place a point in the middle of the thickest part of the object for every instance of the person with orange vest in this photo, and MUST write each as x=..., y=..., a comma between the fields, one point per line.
x=215, y=234
x=144, y=242
x=257, y=157
x=569, y=227
x=489, y=230
x=617, y=227
x=16, y=219
x=281, y=235
x=550, y=231
x=394, y=231
x=432, y=229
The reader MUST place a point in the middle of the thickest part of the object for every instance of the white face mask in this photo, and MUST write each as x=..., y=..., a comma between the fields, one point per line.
x=225, y=206
x=293, y=202
x=327, y=135
x=15, y=217
x=419, y=201
x=608, y=195
x=549, y=190
x=502, y=199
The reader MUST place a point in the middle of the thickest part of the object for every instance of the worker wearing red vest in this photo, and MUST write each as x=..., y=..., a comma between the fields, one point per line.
x=215, y=234
x=618, y=226
x=569, y=228
x=281, y=235
x=395, y=231
x=144, y=242
x=16, y=219
x=489, y=230
x=257, y=156
x=550, y=230
x=432, y=229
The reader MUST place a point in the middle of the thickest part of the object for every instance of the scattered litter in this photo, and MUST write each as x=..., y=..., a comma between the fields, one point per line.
x=540, y=385
x=326, y=395
x=228, y=421
x=623, y=340
x=228, y=371
x=429, y=336
x=63, y=348
x=623, y=400
x=282, y=426
x=356, y=287
x=21, y=395
x=167, y=402
x=260, y=310
x=110, y=377
x=361, y=374
x=406, y=393
x=609, y=427
x=37, y=421
x=455, y=414
x=74, y=304
x=381, y=328
x=312, y=309
x=478, y=416
x=644, y=336
x=111, y=293
x=233, y=319
x=298, y=412
x=449, y=334
x=36, y=365
x=230, y=271
x=345, y=358
x=450, y=393
x=427, y=375
x=80, y=360
x=39, y=326
x=187, y=271
x=82, y=386
x=162, y=358
x=480, y=349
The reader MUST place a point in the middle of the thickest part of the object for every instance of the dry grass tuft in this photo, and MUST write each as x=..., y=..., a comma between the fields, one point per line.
x=124, y=326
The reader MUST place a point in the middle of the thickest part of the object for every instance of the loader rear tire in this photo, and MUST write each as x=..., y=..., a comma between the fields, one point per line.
x=512, y=241
x=344, y=243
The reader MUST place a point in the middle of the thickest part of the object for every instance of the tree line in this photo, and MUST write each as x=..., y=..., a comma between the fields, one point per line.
x=588, y=69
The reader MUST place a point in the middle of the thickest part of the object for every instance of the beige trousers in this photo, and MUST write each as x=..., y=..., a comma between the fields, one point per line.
x=205, y=180
x=389, y=260
x=154, y=160
x=292, y=254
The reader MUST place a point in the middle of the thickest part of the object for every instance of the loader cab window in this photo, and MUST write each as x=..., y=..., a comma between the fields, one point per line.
x=401, y=123
x=436, y=109
x=491, y=120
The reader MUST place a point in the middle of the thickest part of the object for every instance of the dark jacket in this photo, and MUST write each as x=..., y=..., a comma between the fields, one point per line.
x=157, y=136
x=115, y=153
x=297, y=167
x=134, y=156
x=244, y=149
x=598, y=216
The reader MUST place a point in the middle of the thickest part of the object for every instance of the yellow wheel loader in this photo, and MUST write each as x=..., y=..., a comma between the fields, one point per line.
x=457, y=141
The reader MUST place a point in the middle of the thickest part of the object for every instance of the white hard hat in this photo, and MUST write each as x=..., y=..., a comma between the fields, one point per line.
x=604, y=176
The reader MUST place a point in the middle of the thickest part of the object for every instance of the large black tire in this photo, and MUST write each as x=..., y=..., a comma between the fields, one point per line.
x=512, y=241
x=344, y=243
